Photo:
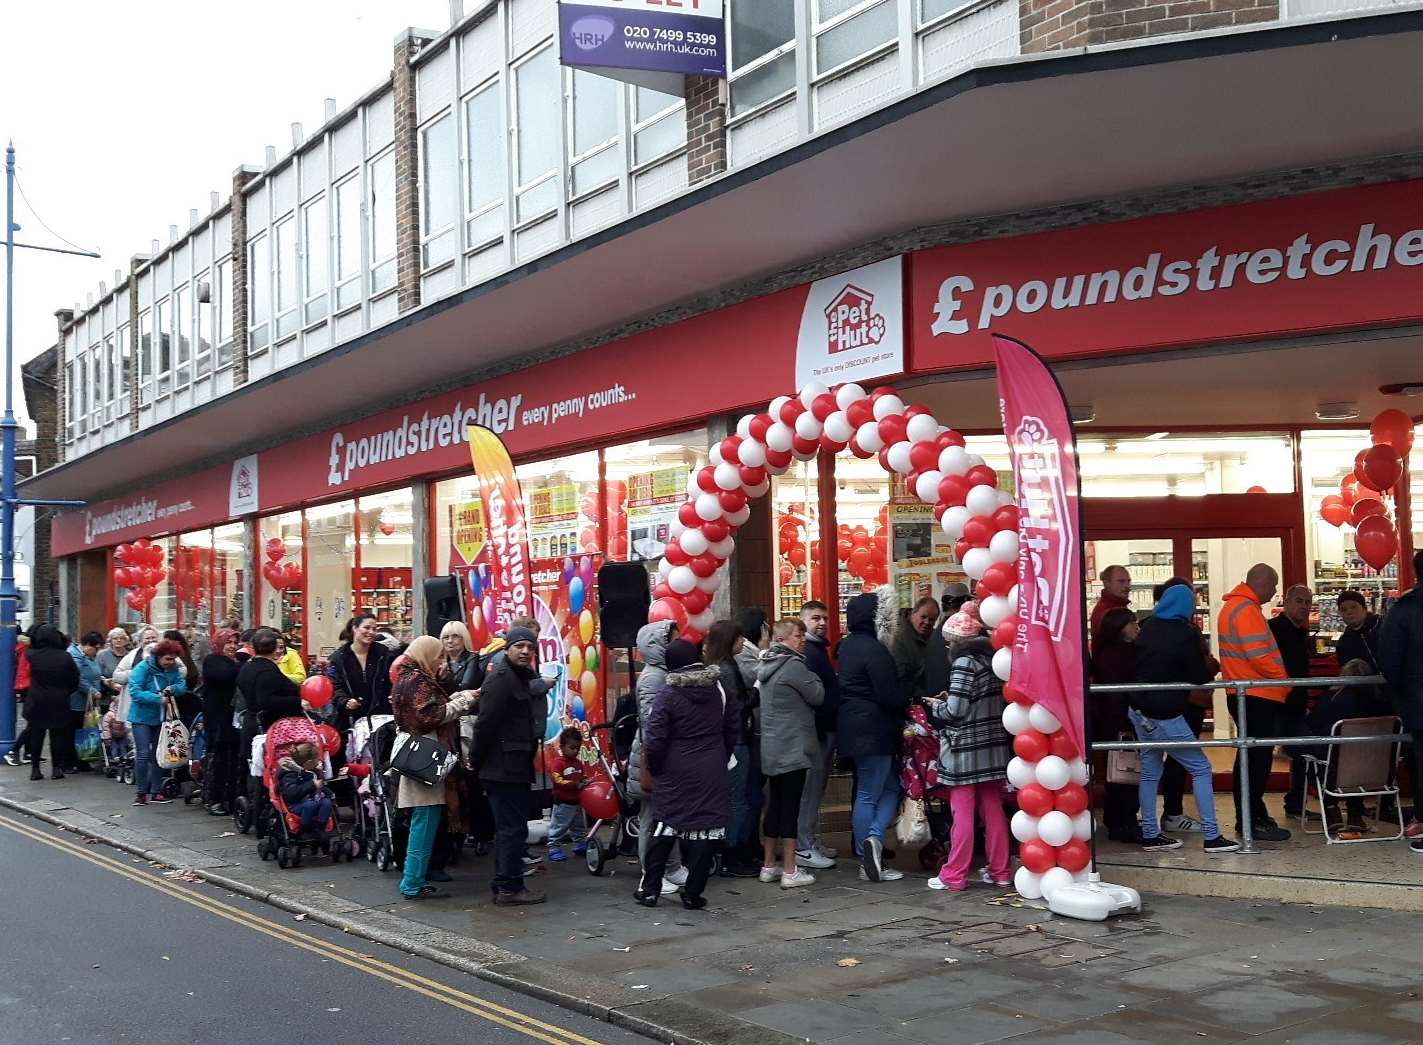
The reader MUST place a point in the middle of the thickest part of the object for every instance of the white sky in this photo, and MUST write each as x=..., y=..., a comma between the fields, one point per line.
x=125, y=115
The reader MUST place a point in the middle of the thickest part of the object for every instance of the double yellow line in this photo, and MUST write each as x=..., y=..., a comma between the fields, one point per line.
x=469, y=1003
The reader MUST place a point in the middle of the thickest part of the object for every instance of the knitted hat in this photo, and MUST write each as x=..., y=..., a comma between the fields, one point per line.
x=514, y=635
x=681, y=654
x=965, y=624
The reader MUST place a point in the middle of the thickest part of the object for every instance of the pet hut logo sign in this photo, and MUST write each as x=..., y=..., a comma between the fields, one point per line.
x=852, y=326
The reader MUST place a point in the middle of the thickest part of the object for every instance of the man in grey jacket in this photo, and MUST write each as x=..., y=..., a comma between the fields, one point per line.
x=652, y=642
x=790, y=693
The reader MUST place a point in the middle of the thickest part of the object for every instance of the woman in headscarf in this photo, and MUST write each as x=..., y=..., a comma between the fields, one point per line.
x=219, y=688
x=422, y=708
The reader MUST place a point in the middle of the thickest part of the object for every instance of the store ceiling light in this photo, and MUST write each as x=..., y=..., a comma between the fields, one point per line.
x=1406, y=388
x=1157, y=435
x=1082, y=413
x=1337, y=411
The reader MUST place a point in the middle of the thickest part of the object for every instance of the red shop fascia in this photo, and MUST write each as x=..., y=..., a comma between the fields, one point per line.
x=1327, y=261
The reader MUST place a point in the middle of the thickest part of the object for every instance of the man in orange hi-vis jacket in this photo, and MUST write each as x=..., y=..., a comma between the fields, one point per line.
x=1248, y=651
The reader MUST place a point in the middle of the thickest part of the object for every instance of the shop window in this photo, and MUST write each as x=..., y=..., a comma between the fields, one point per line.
x=486, y=146
x=561, y=506
x=229, y=581
x=330, y=558
x=192, y=578
x=382, y=583
x=439, y=186
x=847, y=29
x=282, y=602
x=762, y=52
x=861, y=514
x=649, y=478
x=796, y=538
x=382, y=218
x=162, y=611
x=315, y=272
x=1182, y=464
x=348, y=242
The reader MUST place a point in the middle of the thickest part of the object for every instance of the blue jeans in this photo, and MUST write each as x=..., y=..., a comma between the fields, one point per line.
x=424, y=821
x=314, y=813
x=876, y=797
x=147, y=777
x=567, y=822
x=1153, y=763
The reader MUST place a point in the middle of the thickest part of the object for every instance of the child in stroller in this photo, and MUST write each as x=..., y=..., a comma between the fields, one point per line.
x=299, y=783
x=919, y=779
x=286, y=837
x=117, y=746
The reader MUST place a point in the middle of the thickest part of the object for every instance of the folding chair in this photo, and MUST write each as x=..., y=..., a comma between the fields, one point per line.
x=1355, y=771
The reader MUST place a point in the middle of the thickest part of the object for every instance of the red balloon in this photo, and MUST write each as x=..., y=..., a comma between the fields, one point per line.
x=859, y=412
x=703, y=565
x=1256, y=489
x=706, y=480
x=1004, y=634
x=843, y=548
x=688, y=517
x=276, y=549
x=796, y=555
x=1071, y=799
x=135, y=599
x=1000, y=577
x=1365, y=507
x=923, y=456
x=790, y=411
x=668, y=609
x=692, y=635
x=730, y=449
x=1035, y=800
x=695, y=600
x=823, y=405
x=1393, y=428
x=1376, y=541
x=395, y=666
x=891, y=429
x=120, y=575
x=1037, y=856
x=961, y=548
x=143, y=544
x=804, y=447
x=715, y=531
x=273, y=573
x=1031, y=746
x=732, y=500
x=1349, y=488
x=978, y=531
x=317, y=691
x=1016, y=695
x=915, y=409
x=1381, y=468
x=330, y=738
x=752, y=476
x=1074, y=855
x=858, y=451
x=1062, y=745
x=787, y=574
x=859, y=559
x=952, y=490
x=1006, y=517
x=292, y=575
x=982, y=475
x=663, y=591
x=759, y=425
x=675, y=554
x=1333, y=510
x=949, y=438
x=124, y=553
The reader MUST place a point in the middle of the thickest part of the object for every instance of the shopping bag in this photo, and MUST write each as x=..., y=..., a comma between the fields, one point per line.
x=422, y=759
x=912, y=827
x=87, y=743
x=174, y=745
x=1124, y=767
x=91, y=718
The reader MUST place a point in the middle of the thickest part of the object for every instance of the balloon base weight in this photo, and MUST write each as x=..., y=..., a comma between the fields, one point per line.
x=1094, y=900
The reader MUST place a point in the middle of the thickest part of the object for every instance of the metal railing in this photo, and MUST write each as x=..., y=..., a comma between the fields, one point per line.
x=1243, y=740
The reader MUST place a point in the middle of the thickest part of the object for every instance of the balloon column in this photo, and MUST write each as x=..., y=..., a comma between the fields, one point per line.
x=140, y=569
x=1360, y=502
x=190, y=574
x=864, y=554
x=279, y=574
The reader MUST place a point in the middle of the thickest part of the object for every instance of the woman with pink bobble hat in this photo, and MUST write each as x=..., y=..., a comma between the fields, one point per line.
x=974, y=750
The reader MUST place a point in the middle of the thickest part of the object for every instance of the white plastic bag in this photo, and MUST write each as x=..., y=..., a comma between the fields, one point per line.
x=912, y=826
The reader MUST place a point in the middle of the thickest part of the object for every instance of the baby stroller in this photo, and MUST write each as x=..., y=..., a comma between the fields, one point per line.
x=192, y=786
x=919, y=778
x=371, y=742
x=606, y=801
x=116, y=745
x=283, y=838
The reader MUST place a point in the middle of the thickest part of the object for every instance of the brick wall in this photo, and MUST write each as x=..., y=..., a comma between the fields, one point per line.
x=1054, y=25
x=238, y=304
x=407, y=171
x=64, y=318
x=706, y=128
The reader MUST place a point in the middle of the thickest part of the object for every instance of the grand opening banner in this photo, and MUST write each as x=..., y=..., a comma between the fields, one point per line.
x=508, y=591
x=686, y=37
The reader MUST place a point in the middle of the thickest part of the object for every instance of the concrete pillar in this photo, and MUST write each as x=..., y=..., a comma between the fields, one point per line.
x=422, y=496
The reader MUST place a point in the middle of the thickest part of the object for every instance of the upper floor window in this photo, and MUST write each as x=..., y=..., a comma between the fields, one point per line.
x=594, y=116
x=163, y=338
x=286, y=276
x=538, y=103
x=182, y=342
x=382, y=217
x=259, y=290
x=847, y=29
x=659, y=124
x=486, y=146
x=762, y=51
x=315, y=250
x=348, y=241
x=439, y=186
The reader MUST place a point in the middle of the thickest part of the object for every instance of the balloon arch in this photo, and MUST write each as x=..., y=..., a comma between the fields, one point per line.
x=1053, y=821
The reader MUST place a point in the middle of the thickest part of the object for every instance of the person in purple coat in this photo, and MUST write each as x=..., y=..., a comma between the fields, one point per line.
x=687, y=742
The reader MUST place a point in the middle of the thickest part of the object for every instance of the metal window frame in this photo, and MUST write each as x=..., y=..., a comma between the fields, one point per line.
x=576, y=159
x=428, y=235
x=202, y=358
x=471, y=211
x=636, y=126
x=369, y=206
x=521, y=189
x=222, y=313
x=306, y=295
x=186, y=292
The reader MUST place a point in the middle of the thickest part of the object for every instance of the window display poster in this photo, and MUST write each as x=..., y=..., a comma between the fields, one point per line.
x=922, y=559
x=553, y=520
x=566, y=607
x=470, y=561
x=653, y=499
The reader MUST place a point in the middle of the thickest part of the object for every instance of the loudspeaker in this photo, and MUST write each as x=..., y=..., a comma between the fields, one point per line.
x=444, y=602
x=623, y=599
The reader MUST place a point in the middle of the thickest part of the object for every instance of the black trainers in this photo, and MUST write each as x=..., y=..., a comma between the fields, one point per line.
x=1416, y=845
x=1160, y=844
x=1269, y=831
x=1220, y=844
x=871, y=858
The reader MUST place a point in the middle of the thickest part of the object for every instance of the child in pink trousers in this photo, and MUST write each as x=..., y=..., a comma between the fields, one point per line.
x=974, y=750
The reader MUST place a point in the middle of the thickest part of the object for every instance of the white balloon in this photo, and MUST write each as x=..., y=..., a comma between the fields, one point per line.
x=994, y=610
x=1013, y=598
x=664, y=568
x=1078, y=769
x=898, y=457
x=709, y=584
x=1020, y=772
x=1082, y=826
x=723, y=548
x=974, y=460
x=887, y=406
x=981, y=500
x=1015, y=718
x=681, y=579
x=838, y=427
x=739, y=517
x=807, y=426
x=780, y=436
x=953, y=521
x=694, y=542
x=1053, y=774
x=1023, y=826
x=708, y=507
x=775, y=408
x=1003, y=663
x=953, y=460
x=1005, y=498
x=727, y=476
x=927, y=486
x=678, y=528
x=810, y=391
x=1028, y=883
x=1084, y=875
x=752, y=453
x=1044, y=721
x=714, y=455
x=1055, y=827
x=1053, y=879
x=868, y=439
x=759, y=490
x=922, y=428
x=976, y=561
x=702, y=621
x=743, y=427
x=1003, y=546
x=847, y=394
x=694, y=488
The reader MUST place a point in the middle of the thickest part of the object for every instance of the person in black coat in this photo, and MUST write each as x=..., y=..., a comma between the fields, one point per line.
x=504, y=747
x=815, y=615
x=220, y=773
x=360, y=672
x=53, y=677
x=1401, y=659
x=871, y=722
x=1113, y=663
x=1360, y=640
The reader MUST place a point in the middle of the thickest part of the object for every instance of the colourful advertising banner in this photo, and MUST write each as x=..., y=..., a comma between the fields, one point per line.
x=1049, y=647
x=685, y=37
x=566, y=607
x=503, y=586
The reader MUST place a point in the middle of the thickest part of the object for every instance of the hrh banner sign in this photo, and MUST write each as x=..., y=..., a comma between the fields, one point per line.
x=683, y=37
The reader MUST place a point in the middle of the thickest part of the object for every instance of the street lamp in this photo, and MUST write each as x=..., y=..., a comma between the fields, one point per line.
x=9, y=428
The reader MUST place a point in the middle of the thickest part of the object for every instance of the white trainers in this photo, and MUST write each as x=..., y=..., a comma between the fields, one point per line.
x=678, y=876
x=988, y=879
x=827, y=851
x=796, y=880
x=769, y=875
x=669, y=887
x=1180, y=823
x=814, y=859
x=886, y=874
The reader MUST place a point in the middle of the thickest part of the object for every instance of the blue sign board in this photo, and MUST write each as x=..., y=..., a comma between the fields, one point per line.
x=671, y=36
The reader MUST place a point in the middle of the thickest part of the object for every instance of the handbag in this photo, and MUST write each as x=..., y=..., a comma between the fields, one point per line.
x=912, y=826
x=422, y=759
x=1124, y=767
x=87, y=743
x=174, y=745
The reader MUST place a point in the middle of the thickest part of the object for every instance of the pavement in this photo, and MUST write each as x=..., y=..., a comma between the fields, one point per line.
x=841, y=962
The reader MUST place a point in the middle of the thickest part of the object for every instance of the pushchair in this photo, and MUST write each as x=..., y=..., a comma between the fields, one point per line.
x=372, y=739
x=606, y=801
x=116, y=745
x=281, y=836
x=919, y=779
x=190, y=780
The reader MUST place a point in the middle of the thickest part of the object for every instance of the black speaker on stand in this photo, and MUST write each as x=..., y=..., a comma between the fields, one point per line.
x=444, y=602
x=623, y=600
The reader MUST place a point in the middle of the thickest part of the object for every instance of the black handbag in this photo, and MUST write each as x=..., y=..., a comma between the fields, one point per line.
x=421, y=759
